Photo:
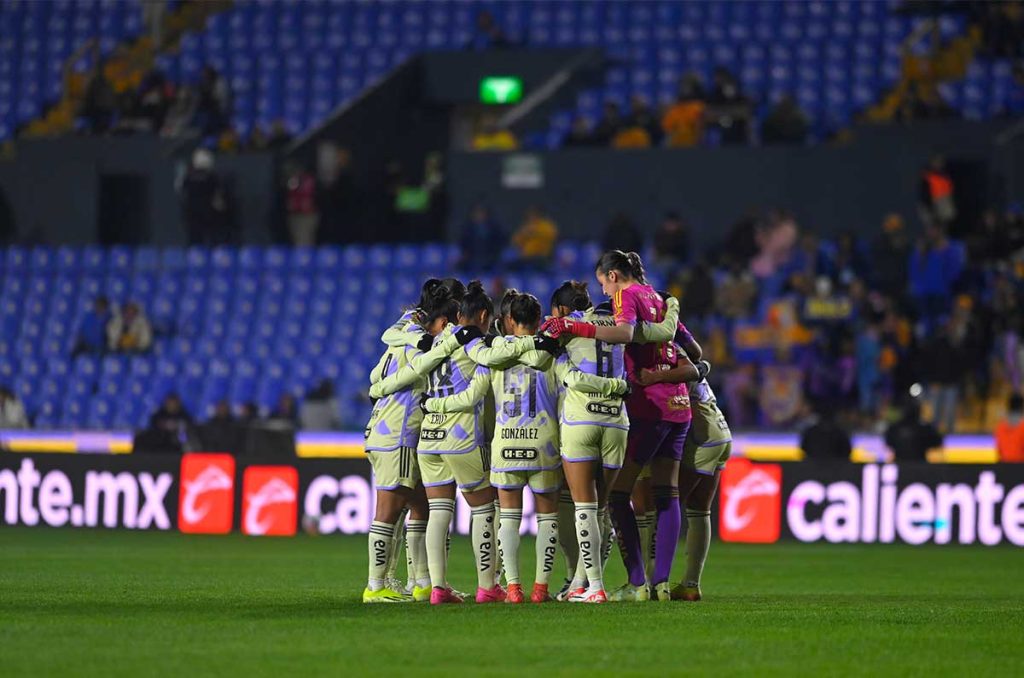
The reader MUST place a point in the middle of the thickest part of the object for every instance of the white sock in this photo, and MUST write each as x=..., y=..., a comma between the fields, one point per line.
x=605, y=523
x=441, y=512
x=698, y=540
x=396, y=545
x=643, y=523
x=547, y=546
x=509, y=521
x=588, y=533
x=499, y=567
x=482, y=520
x=380, y=537
x=567, y=533
x=416, y=548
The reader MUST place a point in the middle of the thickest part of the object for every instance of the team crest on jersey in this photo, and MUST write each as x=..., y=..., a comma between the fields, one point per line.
x=602, y=408
x=518, y=453
x=679, y=402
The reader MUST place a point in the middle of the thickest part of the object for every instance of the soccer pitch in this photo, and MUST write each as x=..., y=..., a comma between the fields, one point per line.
x=130, y=603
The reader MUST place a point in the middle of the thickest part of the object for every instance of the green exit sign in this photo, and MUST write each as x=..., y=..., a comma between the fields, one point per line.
x=501, y=90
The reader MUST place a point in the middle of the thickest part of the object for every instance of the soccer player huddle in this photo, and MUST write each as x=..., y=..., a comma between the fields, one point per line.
x=604, y=412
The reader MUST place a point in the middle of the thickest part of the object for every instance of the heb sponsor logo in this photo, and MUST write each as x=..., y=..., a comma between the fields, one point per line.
x=751, y=502
x=206, y=504
x=270, y=500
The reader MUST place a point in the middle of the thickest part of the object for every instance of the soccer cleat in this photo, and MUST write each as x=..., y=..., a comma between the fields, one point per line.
x=627, y=593
x=540, y=594
x=441, y=596
x=496, y=594
x=689, y=593
x=662, y=591
x=395, y=585
x=385, y=595
x=421, y=594
x=589, y=596
x=514, y=594
x=563, y=593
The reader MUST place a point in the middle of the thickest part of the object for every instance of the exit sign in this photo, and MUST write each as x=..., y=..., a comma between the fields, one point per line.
x=501, y=90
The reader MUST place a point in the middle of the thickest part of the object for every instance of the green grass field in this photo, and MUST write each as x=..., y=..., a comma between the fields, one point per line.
x=123, y=603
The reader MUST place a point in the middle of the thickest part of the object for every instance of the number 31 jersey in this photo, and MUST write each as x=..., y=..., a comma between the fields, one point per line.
x=599, y=359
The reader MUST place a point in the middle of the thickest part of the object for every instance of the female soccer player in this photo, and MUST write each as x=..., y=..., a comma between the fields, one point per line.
x=705, y=454
x=659, y=415
x=594, y=432
x=525, y=447
x=391, y=438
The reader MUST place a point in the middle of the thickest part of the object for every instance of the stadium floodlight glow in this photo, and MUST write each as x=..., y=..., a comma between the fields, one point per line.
x=501, y=89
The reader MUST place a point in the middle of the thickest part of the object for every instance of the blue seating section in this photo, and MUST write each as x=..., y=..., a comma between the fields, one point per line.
x=36, y=39
x=245, y=324
x=298, y=61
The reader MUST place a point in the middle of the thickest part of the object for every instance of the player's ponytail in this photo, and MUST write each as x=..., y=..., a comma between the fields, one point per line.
x=455, y=288
x=429, y=285
x=573, y=295
x=625, y=264
x=475, y=302
x=504, y=310
x=525, y=310
x=440, y=304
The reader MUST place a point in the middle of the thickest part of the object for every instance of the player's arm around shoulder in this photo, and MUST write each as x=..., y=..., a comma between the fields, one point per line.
x=496, y=351
x=577, y=380
x=417, y=368
x=466, y=400
x=659, y=333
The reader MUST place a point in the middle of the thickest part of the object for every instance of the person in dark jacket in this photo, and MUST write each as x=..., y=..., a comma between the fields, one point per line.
x=910, y=438
x=825, y=438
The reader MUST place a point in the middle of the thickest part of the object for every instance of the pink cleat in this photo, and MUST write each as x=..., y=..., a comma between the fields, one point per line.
x=589, y=596
x=440, y=596
x=491, y=595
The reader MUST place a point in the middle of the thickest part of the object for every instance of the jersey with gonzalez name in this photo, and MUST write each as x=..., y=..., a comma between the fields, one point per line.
x=599, y=359
x=657, y=402
x=458, y=432
x=526, y=419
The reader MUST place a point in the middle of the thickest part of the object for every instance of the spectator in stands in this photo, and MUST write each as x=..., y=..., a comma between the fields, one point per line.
x=640, y=129
x=181, y=113
x=608, y=126
x=942, y=366
x=229, y=141
x=672, y=242
x=580, y=135
x=729, y=108
x=697, y=293
x=935, y=195
x=248, y=414
x=337, y=197
x=491, y=136
x=285, y=414
x=889, y=256
x=736, y=293
x=214, y=103
x=221, y=432
x=482, y=241
x=909, y=438
x=12, y=412
x=488, y=34
x=683, y=122
x=622, y=234
x=171, y=416
x=534, y=242
x=258, y=140
x=205, y=202
x=1009, y=432
x=824, y=438
x=935, y=267
x=99, y=105
x=303, y=216
x=280, y=137
x=869, y=363
x=320, y=411
x=92, y=334
x=155, y=97
x=785, y=124
x=129, y=330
